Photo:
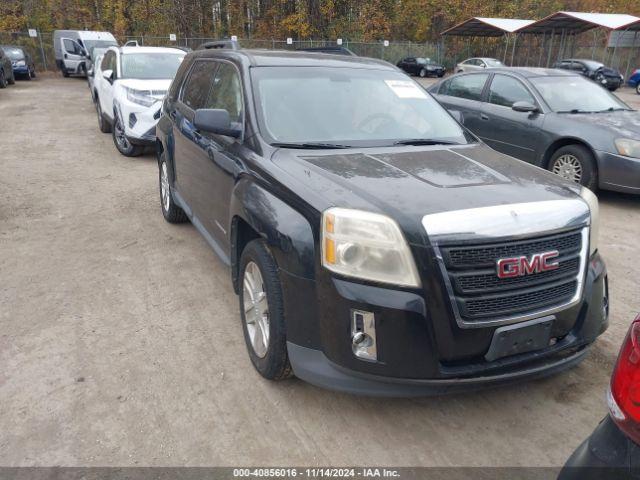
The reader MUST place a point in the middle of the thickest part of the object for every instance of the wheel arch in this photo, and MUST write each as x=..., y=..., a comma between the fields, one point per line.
x=563, y=142
x=258, y=213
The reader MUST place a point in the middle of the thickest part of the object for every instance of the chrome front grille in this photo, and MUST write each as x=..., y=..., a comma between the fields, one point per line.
x=480, y=296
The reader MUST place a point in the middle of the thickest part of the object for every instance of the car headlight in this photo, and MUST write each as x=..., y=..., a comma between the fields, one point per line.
x=141, y=97
x=589, y=197
x=20, y=63
x=368, y=246
x=628, y=147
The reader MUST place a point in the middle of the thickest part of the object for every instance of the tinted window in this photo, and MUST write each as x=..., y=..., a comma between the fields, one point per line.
x=226, y=92
x=506, y=91
x=467, y=86
x=575, y=93
x=70, y=46
x=108, y=62
x=196, y=88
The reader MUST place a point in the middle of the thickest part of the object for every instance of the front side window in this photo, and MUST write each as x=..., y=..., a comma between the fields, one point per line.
x=226, y=92
x=150, y=66
x=108, y=62
x=576, y=94
x=198, y=84
x=71, y=47
x=506, y=91
x=467, y=86
x=492, y=62
x=349, y=107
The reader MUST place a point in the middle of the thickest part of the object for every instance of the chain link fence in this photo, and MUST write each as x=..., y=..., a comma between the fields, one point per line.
x=525, y=50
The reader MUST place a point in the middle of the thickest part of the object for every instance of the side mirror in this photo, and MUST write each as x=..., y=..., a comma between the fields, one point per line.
x=524, y=107
x=215, y=120
x=457, y=114
x=108, y=75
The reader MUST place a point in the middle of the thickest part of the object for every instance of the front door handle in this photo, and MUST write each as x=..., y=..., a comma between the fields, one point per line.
x=484, y=116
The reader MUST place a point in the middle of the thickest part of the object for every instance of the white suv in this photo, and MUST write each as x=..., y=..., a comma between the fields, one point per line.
x=128, y=88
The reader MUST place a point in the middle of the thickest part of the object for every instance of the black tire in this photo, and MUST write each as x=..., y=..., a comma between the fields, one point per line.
x=123, y=145
x=638, y=88
x=171, y=212
x=440, y=75
x=32, y=72
x=28, y=76
x=65, y=73
x=589, y=171
x=274, y=365
x=12, y=79
x=3, y=79
x=103, y=123
x=422, y=73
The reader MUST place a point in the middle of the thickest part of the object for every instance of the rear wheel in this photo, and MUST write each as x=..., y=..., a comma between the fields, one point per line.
x=122, y=143
x=103, y=123
x=172, y=213
x=3, y=79
x=65, y=73
x=262, y=312
x=575, y=163
x=638, y=88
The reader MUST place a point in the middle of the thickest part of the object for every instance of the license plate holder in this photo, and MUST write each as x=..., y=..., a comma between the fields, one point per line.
x=520, y=338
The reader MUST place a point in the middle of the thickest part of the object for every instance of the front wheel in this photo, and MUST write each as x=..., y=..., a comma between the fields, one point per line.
x=422, y=73
x=103, y=123
x=12, y=79
x=575, y=163
x=32, y=72
x=122, y=143
x=3, y=79
x=262, y=312
x=638, y=88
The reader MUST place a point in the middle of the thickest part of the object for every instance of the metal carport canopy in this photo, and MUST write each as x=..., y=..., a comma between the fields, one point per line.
x=487, y=27
x=578, y=22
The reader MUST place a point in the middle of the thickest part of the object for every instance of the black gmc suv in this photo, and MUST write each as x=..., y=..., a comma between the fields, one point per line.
x=377, y=247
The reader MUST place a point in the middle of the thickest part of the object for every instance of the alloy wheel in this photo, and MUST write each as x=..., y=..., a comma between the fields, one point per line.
x=165, y=191
x=121, y=138
x=569, y=167
x=256, y=309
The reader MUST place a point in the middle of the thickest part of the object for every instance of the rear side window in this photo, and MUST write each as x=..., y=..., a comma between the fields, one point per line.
x=467, y=86
x=226, y=92
x=506, y=91
x=198, y=83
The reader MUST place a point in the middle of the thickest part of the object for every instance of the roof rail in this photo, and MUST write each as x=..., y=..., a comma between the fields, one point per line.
x=230, y=44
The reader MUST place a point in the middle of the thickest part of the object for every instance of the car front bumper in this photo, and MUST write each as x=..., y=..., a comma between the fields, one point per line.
x=21, y=70
x=607, y=453
x=412, y=360
x=139, y=122
x=618, y=173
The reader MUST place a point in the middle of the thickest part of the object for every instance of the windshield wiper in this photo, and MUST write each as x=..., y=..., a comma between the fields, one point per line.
x=615, y=109
x=575, y=110
x=425, y=141
x=309, y=145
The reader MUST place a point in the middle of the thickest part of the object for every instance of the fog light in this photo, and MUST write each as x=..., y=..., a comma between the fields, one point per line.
x=363, y=335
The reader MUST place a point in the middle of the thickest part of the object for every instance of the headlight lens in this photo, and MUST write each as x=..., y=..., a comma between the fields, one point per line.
x=589, y=197
x=628, y=147
x=141, y=97
x=368, y=246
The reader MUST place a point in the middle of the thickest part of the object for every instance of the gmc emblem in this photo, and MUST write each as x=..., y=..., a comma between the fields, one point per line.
x=520, y=266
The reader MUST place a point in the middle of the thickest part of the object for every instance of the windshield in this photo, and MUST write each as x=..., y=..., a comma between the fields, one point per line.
x=14, y=53
x=492, y=62
x=424, y=61
x=89, y=44
x=149, y=66
x=95, y=52
x=348, y=106
x=576, y=94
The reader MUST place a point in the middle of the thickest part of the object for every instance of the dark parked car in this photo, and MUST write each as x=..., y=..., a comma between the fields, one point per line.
x=6, y=70
x=554, y=119
x=613, y=449
x=331, y=49
x=21, y=61
x=634, y=80
x=423, y=67
x=376, y=246
x=596, y=71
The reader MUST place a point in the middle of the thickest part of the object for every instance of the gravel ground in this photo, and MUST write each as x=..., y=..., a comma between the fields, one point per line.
x=120, y=339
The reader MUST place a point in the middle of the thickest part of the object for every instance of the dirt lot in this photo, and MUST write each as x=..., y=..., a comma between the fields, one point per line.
x=120, y=339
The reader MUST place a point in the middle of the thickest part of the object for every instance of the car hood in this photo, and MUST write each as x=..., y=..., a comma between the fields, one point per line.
x=137, y=84
x=410, y=182
x=621, y=124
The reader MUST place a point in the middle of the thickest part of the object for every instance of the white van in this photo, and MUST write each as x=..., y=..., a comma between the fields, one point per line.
x=72, y=48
